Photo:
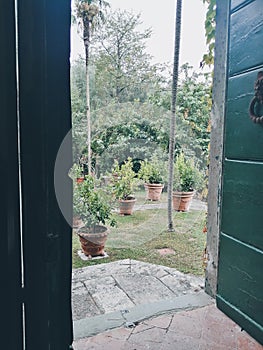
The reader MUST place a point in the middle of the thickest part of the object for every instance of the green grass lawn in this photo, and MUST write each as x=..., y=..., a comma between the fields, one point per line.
x=140, y=235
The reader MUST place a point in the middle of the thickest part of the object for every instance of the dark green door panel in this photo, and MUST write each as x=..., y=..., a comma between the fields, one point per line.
x=243, y=138
x=240, y=277
x=239, y=280
x=11, y=308
x=242, y=202
x=237, y=3
x=45, y=119
x=246, y=33
x=247, y=324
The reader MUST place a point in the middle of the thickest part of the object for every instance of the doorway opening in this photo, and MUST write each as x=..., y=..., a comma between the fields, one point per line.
x=129, y=105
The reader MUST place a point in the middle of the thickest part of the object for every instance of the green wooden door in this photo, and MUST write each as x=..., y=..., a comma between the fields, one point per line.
x=35, y=118
x=240, y=275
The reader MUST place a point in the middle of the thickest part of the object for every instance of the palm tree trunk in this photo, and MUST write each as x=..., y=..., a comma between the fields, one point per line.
x=86, y=37
x=173, y=113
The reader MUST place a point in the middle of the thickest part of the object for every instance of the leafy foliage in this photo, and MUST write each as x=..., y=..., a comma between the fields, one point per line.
x=88, y=13
x=91, y=203
x=132, y=130
x=137, y=123
x=187, y=177
x=194, y=102
x=194, y=106
x=121, y=58
x=78, y=96
x=210, y=25
x=150, y=173
x=123, y=180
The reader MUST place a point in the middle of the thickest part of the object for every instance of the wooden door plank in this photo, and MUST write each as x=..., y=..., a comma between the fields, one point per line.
x=44, y=29
x=32, y=107
x=58, y=22
x=10, y=228
x=243, y=138
x=242, y=202
x=240, y=284
x=246, y=38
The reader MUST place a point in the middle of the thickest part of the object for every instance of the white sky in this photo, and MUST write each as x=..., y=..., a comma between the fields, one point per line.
x=161, y=18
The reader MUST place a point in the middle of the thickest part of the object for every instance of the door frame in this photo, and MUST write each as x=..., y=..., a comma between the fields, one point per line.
x=217, y=144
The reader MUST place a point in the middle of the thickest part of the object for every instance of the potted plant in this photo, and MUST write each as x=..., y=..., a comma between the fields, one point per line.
x=153, y=181
x=77, y=173
x=92, y=206
x=123, y=184
x=187, y=178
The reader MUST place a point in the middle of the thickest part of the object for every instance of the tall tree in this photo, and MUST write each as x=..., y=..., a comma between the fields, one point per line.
x=173, y=112
x=88, y=12
x=121, y=59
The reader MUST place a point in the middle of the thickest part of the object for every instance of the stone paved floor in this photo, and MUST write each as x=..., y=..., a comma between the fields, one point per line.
x=130, y=305
x=123, y=284
x=204, y=328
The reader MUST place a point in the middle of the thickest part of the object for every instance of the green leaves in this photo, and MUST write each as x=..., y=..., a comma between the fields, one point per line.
x=194, y=105
x=122, y=65
x=187, y=176
x=132, y=130
x=92, y=203
x=210, y=24
x=123, y=179
x=150, y=172
x=131, y=99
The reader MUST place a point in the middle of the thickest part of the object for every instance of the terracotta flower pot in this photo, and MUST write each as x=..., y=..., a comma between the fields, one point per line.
x=126, y=206
x=79, y=180
x=153, y=191
x=93, y=243
x=182, y=200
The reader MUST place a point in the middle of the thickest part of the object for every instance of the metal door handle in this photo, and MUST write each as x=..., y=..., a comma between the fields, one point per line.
x=256, y=104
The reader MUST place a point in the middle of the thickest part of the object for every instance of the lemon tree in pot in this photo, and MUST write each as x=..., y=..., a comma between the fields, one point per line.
x=123, y=184
x=187, y=178
x=77, y=173
x=153, y=180
x=93, y=207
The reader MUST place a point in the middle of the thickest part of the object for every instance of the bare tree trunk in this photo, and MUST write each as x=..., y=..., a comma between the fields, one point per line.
x=173, y=113
x=86, y=38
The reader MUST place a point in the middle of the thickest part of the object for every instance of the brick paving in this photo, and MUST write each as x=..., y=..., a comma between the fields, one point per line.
x=205, y=328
